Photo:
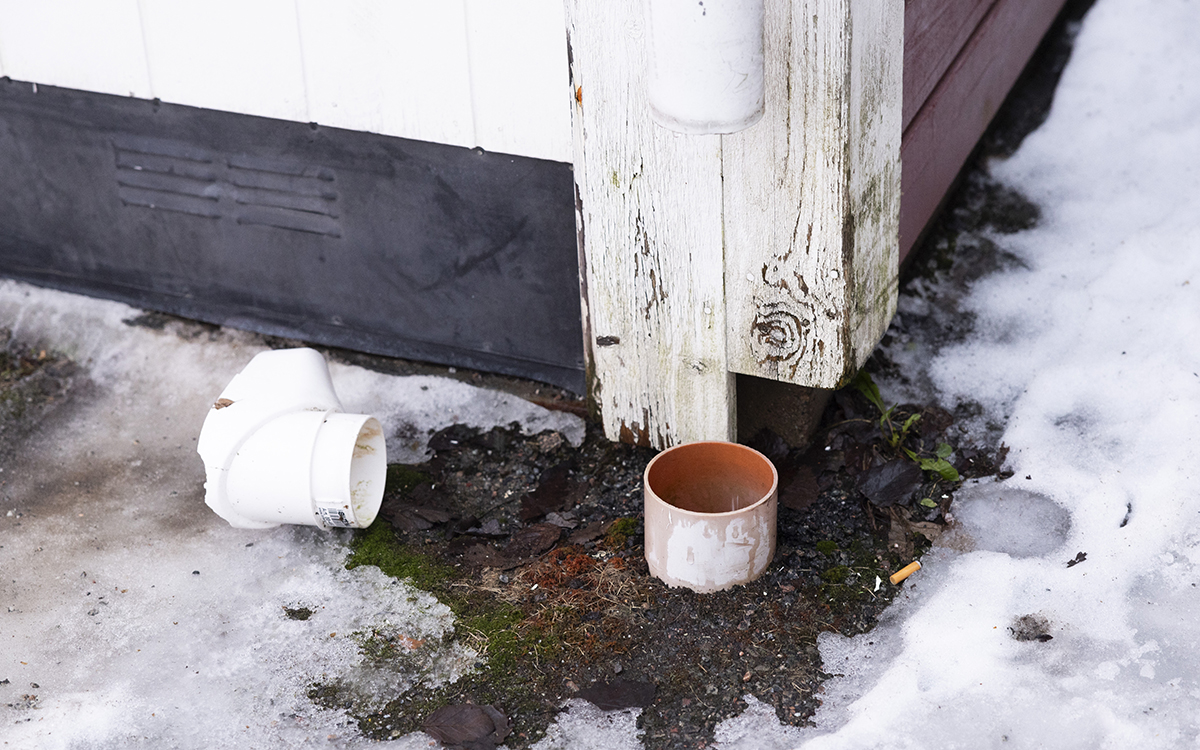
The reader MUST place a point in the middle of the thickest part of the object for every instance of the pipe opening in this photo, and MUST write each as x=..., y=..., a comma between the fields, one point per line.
x=711, y=477
x=349, y=467
x=368, y=472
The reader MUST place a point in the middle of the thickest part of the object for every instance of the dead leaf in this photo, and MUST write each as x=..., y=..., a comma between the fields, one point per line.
x=468, y=726
x=563, y=521
x=592, y=531
x=903, y=527
x=532, y=541
x=618, y=694
x=891, y=483
x=417, y=509
x=934, y=421
x=1078, y=559
x=553, y=488
x=800, y=491
x=403, y=519
x=857, y=458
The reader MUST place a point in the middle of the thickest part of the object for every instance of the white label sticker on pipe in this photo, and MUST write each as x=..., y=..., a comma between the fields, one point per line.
x=334, y=517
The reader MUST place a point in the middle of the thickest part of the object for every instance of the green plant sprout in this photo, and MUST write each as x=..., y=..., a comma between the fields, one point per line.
x=895, y=436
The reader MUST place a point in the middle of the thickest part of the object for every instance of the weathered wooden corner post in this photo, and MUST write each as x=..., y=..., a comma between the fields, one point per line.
x=771, y=252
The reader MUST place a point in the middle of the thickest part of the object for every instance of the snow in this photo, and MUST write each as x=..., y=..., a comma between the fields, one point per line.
x=582, y=726
x=1087, y=352
x=128, y=602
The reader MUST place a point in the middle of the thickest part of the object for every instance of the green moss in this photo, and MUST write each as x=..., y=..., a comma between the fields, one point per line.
x=620, y=532
x=495, y=625
x=837, y=574
x=827, y=547
x=378, y=546
x=508, y=643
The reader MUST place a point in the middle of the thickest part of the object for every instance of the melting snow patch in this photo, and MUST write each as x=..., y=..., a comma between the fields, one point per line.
x=582, y=726
x=136, y=616
x=1062, y=611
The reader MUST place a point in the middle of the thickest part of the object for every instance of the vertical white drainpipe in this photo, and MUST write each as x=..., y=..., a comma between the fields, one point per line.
x=706, y=64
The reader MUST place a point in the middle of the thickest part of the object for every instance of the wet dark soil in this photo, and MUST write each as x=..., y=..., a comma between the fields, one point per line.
x=547, y=540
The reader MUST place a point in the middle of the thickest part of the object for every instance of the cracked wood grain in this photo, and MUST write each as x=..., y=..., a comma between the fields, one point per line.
x=812, y=195
x=650, y=202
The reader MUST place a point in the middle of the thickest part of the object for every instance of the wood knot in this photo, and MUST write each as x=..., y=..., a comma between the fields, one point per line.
x=777, y=334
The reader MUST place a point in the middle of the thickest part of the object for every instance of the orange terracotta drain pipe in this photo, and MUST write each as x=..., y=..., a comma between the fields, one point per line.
x=710, y=515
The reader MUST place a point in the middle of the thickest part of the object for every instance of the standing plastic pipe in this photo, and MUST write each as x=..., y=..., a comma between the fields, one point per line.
x=710, y=515
x=706, y=64
x=277, y=448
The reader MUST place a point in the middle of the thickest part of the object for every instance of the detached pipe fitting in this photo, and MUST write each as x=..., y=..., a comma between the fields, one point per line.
x=278, y=449
x=710, y=515
x=706, y=64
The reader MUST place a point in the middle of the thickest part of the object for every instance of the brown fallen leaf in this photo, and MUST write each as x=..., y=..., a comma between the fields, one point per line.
x=551, y=494
x=903, y=527
x=890, y=483
x=403, y=519
x=592, y=531
x=801, y=489
x=532, y=541
x=412, y=518
x=483, y=555
x=467, y=726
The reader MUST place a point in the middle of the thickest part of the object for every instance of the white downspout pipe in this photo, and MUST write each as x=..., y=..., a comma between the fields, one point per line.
x=706, y=64
x=278, y=449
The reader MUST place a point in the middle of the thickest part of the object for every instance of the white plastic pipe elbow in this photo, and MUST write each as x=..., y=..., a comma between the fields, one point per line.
x=278, y=449
x=706, y=64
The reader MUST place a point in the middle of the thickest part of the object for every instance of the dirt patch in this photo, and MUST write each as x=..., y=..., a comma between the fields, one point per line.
x=33, y=382
x=537, y=546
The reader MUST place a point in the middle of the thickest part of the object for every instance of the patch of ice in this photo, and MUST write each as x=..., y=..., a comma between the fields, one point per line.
x=1003, y=517
x=583, y=726
x=756, y=728
x=136, y=616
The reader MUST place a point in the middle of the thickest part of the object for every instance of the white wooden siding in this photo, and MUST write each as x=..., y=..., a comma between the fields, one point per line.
x=409, y=91
x=230, y=55
x=80, y=44
x=487, y=73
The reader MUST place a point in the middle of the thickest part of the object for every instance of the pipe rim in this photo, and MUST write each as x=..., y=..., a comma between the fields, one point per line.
x=650, y=492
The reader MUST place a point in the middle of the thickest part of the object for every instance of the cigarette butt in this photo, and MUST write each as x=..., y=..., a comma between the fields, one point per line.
x=905, y=572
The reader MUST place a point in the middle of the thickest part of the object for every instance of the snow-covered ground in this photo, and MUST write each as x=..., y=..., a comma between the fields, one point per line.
x=1089, y=352
x=130, y=614
x=127, y=601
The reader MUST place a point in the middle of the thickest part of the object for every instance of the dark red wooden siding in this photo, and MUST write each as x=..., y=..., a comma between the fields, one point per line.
x=961, y=57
